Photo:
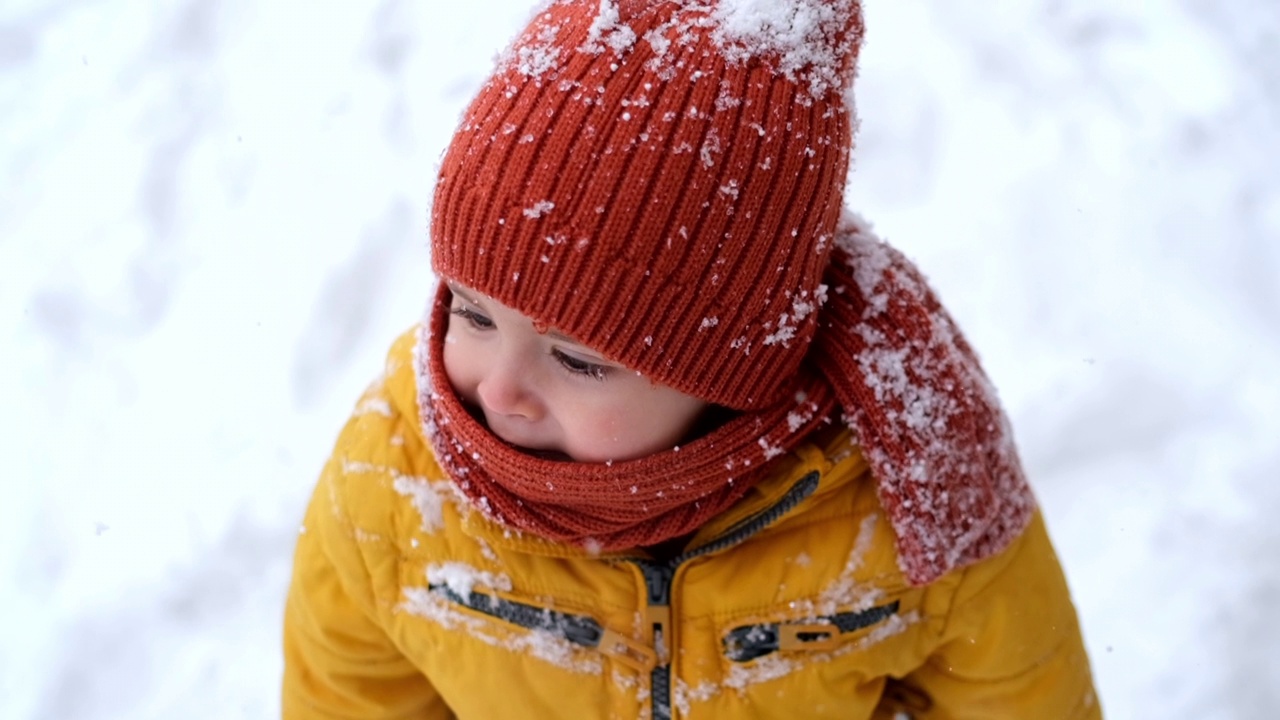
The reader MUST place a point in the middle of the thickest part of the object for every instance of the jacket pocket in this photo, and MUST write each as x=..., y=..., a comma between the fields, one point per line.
x=581, y=630
x=824, y=633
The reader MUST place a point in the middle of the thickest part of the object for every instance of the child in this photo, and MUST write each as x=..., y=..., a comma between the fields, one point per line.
x=678, y=438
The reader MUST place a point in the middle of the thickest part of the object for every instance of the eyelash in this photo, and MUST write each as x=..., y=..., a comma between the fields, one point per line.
x=570, y=364
x=473, y=318
x=580, y=367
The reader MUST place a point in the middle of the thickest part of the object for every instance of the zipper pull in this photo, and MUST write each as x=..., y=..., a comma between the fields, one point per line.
x=814, y=637
x=627, y=651
x=660, y=620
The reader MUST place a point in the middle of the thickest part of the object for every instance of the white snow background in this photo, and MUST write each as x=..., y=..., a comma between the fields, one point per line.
x=212, y=223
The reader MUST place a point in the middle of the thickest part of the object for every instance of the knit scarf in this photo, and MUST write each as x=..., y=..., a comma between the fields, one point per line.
x=886, y=353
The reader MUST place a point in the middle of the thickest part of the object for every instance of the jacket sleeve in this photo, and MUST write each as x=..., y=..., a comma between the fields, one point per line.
x=338, y=660
x=1011, y=646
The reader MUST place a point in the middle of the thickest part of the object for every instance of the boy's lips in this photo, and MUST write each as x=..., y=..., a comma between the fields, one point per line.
x=510, y=433
x=504, y=431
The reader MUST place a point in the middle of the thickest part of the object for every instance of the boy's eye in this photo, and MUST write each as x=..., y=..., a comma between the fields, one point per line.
x=578, y=366
x=475, y=319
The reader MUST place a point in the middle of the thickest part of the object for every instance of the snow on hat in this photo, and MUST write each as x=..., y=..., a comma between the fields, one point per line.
x=662, y=181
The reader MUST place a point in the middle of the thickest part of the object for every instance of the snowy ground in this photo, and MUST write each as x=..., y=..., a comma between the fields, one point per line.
x=211, y=224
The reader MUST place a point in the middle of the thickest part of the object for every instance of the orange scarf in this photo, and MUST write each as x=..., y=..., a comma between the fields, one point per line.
x=886, y=353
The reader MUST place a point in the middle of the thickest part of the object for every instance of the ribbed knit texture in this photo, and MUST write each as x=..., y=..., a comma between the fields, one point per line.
x=663, y=182
x=654, y=199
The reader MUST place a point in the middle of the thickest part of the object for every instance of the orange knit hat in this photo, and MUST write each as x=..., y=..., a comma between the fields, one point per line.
x=661, y=180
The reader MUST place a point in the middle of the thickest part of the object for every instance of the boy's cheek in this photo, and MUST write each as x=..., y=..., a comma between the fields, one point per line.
x=622, y=434
x=597, y=430
x=459, y=366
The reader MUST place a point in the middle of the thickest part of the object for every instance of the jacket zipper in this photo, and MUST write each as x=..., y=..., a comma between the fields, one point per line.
x=658, y=577
x=749, y=642
x=585, y=631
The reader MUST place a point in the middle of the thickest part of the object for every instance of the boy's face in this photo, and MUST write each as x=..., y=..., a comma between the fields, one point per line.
x=543, y=392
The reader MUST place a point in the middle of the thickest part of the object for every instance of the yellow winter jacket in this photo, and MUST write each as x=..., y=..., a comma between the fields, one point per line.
x=405, y=603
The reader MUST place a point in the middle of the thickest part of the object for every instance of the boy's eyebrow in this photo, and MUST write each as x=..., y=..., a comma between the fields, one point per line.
x=463, y=293
x=557, y=335
x=551, y=332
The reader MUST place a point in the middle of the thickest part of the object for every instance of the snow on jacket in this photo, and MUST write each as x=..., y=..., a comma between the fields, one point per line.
x=407, y=603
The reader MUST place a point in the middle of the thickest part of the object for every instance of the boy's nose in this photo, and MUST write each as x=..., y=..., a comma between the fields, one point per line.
x=505, y=390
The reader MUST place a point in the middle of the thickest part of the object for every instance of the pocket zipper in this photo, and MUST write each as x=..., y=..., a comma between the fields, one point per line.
x=581, y=630
x=749, y=642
